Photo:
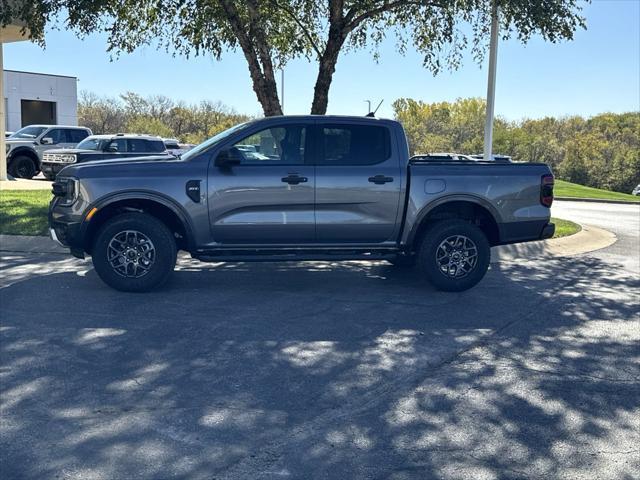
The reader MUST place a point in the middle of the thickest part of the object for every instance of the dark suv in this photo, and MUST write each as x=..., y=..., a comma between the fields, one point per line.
x=101, y=147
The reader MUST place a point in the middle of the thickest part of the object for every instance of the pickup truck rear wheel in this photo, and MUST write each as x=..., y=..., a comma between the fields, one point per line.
x=454, y=255
x=134, y=252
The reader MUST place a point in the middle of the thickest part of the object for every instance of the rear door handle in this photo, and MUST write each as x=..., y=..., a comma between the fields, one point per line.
x=380, y=179
x=294, y=179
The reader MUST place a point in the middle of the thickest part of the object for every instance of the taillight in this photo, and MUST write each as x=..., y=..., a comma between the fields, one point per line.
x=546, y=190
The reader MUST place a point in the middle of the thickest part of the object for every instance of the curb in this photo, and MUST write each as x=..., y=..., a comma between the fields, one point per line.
x=29, y=244
x=595, y=200
x=589, y=239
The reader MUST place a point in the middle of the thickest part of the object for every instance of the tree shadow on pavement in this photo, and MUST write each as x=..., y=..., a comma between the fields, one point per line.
x=322, y=370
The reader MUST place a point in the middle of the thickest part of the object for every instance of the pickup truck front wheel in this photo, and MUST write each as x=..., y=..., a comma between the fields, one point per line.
x=22, y=167
x=134, y=252
x=454, y=255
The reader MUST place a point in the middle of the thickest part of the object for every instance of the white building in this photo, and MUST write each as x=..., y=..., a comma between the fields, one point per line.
x=37, y=98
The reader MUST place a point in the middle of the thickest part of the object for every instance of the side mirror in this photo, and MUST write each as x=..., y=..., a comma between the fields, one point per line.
x=47, y=141
x=228, y=158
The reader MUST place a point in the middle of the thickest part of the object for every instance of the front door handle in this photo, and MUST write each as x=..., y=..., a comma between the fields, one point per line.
x=380, y=179
x=294, y=179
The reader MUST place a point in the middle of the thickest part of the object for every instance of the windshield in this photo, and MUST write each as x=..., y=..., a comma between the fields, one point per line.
x=212, y=141
x=91, y=143
x=28, y=132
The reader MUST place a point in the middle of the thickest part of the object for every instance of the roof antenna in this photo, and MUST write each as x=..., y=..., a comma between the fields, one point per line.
x=373, y=114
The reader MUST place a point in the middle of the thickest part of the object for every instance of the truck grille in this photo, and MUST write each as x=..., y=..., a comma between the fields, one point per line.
x=58, y=158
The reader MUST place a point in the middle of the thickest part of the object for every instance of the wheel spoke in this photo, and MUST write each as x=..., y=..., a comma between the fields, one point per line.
x=131, y=253
x=457, y=256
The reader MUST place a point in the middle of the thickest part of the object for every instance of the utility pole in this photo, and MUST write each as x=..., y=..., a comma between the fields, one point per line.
x=491, y=84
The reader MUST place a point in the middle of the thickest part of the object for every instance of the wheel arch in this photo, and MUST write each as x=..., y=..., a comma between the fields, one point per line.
x=157, y=205
x=462, y=207
x=27, y=152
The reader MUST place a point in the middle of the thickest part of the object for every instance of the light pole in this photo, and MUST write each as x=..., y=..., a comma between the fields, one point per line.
x=491, y=84
x=282, y=89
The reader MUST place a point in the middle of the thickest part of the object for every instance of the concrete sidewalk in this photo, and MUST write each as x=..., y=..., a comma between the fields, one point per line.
x=23, y=184
x=587, y=240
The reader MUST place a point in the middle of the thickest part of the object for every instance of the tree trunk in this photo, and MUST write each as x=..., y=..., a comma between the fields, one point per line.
x=325, y=76
x=259, y=62
x=337, y=35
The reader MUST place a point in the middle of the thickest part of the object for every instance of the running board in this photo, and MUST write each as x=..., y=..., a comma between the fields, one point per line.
x=293, y=257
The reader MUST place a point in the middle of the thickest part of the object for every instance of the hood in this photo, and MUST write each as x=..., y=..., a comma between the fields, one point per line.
x=117, y=167
x=70, y=150
x=20, y=141
x=130, y=160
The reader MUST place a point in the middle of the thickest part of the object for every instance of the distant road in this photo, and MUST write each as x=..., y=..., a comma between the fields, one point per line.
x=623, y=220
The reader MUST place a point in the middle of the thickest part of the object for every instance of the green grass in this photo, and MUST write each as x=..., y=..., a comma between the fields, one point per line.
x=24, y=212
x=568, y=189
x=564, y=228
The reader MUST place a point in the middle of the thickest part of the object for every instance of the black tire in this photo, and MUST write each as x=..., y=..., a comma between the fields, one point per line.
x=445, y=274
x=161, y=240
x=22, y=166
x=404, y=261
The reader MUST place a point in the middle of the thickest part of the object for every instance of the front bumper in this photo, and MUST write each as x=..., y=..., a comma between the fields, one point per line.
x=65, y=228
x=53, y=168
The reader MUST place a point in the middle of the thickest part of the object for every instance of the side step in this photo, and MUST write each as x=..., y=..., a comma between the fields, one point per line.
x=294, y=257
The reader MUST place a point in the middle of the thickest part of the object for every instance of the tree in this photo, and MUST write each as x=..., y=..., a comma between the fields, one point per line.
x=271, y=32
x=602, y=151
x=155, y=115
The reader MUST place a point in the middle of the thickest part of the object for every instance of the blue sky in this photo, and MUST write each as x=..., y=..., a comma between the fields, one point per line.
x=598, y=71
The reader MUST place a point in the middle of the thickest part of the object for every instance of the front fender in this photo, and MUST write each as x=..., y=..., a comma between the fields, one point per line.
x=148, y=195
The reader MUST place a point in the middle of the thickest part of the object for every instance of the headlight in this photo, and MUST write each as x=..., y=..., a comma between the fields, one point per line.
x=67, y=189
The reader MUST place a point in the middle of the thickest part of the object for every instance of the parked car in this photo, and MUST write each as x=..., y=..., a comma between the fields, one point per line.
x=102, y=147
x=26, y=147
x=322, y=188
x=443, y=157
x=175, y=148
x=636, y=191
x=495, y=158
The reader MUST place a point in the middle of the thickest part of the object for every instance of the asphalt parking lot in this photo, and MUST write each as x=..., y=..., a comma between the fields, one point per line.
x=320, y=370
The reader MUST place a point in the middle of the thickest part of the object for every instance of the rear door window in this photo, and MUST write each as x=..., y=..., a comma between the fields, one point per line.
x=76, y=135
x=137, y=145
x=353, y=145
x=155, y=146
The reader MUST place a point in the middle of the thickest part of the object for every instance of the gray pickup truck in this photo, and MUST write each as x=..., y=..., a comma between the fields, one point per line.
x=299, y=188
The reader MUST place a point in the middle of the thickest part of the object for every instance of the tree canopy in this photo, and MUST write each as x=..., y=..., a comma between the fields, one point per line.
x=271, y=32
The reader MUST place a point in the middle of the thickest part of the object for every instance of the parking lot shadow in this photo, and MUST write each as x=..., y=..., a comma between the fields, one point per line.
x=321, y=370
